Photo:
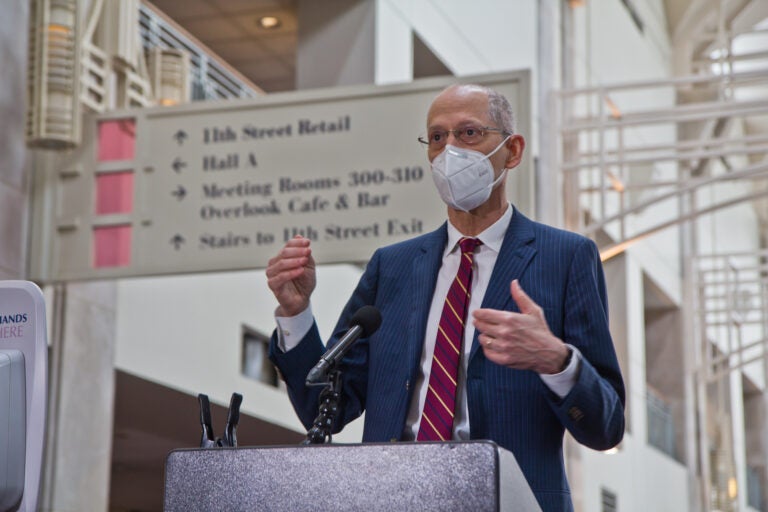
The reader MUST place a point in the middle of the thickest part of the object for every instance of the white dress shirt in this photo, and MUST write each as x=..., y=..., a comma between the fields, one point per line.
x=292, y=329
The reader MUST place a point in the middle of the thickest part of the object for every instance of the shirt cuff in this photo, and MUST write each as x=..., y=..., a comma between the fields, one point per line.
x=292, y=329
x=562, y=383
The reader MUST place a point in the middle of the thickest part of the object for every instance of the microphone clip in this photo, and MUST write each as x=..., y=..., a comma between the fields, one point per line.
x=327, y=373
x=328, y=409
x=229, y=439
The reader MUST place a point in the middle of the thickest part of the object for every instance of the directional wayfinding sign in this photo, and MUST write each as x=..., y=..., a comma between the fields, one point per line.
x=223, y=185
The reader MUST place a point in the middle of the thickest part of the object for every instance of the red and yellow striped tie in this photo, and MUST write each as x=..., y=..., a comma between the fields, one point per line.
x=440, y=405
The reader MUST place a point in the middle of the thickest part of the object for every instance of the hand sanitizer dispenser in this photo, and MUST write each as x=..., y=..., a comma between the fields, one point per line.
x=12, y=427
x=23, y=394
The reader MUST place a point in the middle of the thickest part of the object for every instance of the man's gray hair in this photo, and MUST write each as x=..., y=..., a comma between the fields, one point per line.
x=499, y=109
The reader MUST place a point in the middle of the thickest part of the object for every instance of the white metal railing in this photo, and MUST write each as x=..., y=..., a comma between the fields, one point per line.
x=637, y=159
x=732, y=311
x=211, y=77
x=621, y=160
x=730, y=324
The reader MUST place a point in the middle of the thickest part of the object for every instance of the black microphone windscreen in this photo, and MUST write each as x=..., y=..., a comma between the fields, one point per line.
x=368, y=318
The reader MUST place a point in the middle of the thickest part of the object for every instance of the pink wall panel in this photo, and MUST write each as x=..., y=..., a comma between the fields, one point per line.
x=112, y=246
x=114, y=193
x=117, y=140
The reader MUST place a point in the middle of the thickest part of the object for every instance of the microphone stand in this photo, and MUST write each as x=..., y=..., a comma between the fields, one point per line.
x=320, y=433
x=364, y=322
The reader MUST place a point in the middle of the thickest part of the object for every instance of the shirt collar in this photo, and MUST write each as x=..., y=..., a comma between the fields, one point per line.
x=492, y=237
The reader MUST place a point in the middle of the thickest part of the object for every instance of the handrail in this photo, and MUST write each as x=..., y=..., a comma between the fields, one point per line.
x=215, y=74
x=757, y=171
x=730, y=79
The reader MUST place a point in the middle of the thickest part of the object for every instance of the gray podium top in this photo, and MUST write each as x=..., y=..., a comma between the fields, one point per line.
x=475, y=475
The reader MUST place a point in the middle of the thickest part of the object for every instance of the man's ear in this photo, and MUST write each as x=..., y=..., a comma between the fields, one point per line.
x=516, y=145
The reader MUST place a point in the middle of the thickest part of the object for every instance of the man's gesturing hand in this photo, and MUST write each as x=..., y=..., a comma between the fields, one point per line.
x=291, y=276
x=520, y=340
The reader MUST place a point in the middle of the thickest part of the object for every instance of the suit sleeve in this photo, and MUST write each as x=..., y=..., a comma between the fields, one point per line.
x=295, y=364
x=593, y=411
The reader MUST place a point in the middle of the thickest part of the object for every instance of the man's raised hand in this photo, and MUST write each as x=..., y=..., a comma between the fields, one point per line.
x=291, y=276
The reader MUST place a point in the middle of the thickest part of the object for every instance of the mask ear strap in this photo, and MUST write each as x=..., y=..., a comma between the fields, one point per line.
x=503, y=172
x=498, y=180
x=499, y=146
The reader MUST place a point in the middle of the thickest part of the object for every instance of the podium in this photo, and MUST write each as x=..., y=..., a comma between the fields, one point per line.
x=472, y=475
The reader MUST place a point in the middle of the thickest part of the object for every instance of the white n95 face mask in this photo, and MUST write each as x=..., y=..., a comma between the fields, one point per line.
x=464, y=177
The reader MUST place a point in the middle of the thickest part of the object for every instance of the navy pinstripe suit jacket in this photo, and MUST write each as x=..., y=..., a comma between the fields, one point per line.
x=559, y=270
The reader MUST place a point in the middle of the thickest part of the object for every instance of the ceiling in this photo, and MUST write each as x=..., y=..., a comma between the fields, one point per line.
x=266, y=57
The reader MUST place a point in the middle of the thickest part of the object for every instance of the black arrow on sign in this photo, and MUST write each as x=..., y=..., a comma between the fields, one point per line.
x=178, y=164
x=177, y=240
x=180, y=136
x=179, y=193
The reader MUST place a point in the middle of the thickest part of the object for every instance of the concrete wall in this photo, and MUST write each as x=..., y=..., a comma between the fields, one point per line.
x=80, y=418
x=184, y=332
x=642, y=478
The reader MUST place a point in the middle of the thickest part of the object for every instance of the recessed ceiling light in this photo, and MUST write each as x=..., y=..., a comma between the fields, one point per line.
x=269, y=22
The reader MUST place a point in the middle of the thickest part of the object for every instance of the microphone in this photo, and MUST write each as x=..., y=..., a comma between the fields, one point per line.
x=364, y=322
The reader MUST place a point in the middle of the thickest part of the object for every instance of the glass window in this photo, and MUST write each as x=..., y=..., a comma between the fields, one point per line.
x=255, y=361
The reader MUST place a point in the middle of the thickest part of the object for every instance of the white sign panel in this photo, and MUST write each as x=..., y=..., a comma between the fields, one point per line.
x=223, y=185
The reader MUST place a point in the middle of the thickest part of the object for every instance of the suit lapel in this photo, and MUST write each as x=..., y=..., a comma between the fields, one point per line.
x=424, y=272
x=517, y=250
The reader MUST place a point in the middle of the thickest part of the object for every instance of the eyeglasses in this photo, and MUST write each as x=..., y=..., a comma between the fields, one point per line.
x=469, y=135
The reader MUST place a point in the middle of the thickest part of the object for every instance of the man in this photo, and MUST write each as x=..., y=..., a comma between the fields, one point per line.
x=501, y=336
